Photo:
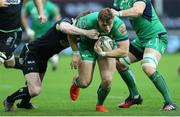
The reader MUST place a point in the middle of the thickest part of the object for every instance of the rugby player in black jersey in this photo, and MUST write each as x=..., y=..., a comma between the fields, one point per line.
x=10, y=29
x=35, y=55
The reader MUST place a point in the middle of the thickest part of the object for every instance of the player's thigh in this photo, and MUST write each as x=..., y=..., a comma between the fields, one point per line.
x=106, y=68
x=86, y=70
x=87, y=63
x=157, y=45
x=33, y=79
x=155, y=48
x=136, y=50
x=31, y=69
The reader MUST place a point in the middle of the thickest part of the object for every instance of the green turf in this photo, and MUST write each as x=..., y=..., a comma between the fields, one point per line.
x=54, y=98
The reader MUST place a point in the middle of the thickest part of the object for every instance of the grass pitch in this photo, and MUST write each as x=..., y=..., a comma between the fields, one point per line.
x=55, y=100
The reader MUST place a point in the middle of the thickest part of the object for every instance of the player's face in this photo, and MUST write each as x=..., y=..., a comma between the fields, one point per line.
x=106, y=26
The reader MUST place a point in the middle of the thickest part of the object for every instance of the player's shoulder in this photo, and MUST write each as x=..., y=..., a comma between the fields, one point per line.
x=118, y=21
x=92, y=15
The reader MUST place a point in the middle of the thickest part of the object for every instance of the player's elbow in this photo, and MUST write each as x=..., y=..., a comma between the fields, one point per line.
x=64, y=27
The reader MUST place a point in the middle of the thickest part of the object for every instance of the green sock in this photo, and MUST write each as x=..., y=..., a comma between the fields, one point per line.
x=129, y=79
x=77, y=82
x=102, y=94
x=160, y=84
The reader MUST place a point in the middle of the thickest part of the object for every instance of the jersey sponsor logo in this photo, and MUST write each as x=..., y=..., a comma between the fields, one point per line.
x=122, y=29
x=14, y=1
x=30, y=62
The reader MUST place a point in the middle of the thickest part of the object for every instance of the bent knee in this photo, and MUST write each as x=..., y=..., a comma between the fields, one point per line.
x=122, y=63
x=8, y=65
x=84, y=84
x=149, y=64
x=106, y=82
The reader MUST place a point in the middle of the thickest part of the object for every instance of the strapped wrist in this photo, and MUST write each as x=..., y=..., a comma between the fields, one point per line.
x=119, y=13
x=102, y=53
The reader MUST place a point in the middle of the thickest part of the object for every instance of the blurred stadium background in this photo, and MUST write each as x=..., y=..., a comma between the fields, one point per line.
x=167, y=11
x=55, y=100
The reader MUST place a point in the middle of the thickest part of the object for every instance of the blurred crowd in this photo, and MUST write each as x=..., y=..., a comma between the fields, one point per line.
x=71, y=8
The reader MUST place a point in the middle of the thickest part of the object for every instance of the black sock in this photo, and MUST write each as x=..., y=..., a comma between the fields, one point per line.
x=25, y=101
x=18, y=65
x=22, y=93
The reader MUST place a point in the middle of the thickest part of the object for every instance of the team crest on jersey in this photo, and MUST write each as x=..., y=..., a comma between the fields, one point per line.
x=14, y=1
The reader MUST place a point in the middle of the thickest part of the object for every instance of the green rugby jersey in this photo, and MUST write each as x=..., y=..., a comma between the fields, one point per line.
x=90, y=21
x=36, y=24
x=146, y=26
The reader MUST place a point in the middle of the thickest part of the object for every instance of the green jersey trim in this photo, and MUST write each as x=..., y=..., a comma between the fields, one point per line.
x=7, y=31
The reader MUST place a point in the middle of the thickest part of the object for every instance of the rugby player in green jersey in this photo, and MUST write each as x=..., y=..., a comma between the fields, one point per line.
x=148, y=47
x=108, y=25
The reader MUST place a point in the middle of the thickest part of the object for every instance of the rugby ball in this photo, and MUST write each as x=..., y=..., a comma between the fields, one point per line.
x=105, y=43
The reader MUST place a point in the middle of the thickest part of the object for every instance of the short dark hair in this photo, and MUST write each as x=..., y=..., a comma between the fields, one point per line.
x=105, y=15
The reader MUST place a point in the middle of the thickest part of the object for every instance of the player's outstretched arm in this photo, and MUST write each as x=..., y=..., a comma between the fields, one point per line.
x=4, y=3
x=76, y=55
x=39, y=6
x=135, y=11
x=73, y=30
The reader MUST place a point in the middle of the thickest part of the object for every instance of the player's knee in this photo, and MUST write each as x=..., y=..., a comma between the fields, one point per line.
x=149, y=64
x=123, y=63
x=84, y=84
x=106, y=82
x=2, y=58
x=10, y=63
x=34, y=91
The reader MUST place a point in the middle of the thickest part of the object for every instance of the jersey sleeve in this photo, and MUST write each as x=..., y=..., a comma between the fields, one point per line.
x=88, y=22
x=121, y=33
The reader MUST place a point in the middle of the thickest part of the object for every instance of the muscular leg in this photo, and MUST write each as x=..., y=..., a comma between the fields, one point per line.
x=106, y=67
x=32, y=89
x=85, y=69
x=150, y=61
x=122, y=66
x=25, y=103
